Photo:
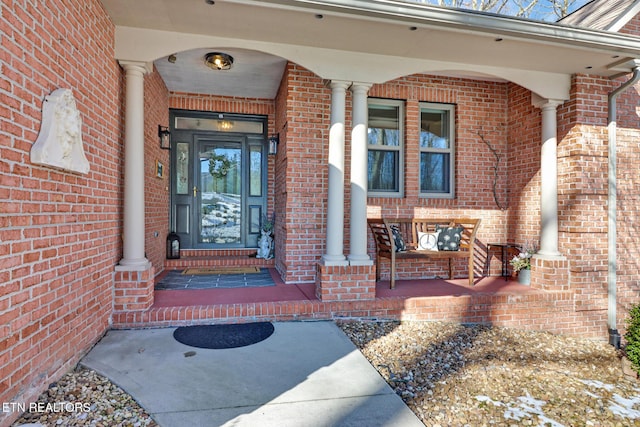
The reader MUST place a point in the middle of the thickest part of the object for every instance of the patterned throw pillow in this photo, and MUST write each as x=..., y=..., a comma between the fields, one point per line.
x=397, y=239
x=449, y=238
x=428, y=241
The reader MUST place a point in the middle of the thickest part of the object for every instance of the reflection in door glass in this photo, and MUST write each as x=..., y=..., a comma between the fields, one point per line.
x=220, y=191
x=182, y=168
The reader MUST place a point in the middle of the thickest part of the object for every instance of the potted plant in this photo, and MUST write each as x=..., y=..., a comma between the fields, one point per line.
x=521, y=263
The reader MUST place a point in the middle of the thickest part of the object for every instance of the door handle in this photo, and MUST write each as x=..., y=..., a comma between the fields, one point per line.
x=195, y=191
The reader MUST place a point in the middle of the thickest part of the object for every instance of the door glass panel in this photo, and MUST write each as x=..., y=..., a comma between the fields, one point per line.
x=255, y=213
x=220, y=194
x=255, y=170
x=182, y=168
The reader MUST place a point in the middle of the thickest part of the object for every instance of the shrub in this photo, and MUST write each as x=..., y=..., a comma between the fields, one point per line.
x=632, y=336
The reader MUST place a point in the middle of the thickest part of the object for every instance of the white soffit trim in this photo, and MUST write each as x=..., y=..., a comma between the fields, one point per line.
x=462, y=20
x=331, y=64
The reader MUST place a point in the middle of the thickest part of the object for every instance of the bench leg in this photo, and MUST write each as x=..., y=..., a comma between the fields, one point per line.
x=450, y=268
x=471, y=269
x=392, y=279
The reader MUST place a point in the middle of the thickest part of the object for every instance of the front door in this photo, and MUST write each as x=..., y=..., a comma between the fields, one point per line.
x=218, y=188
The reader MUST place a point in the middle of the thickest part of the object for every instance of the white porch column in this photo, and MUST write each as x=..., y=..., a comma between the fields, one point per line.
x=335, y=202
x=549, y=178
x=133, y=245
x=359, y=159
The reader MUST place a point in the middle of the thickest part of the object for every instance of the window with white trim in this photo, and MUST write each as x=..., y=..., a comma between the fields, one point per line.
x=437, y=150
x=385, y=141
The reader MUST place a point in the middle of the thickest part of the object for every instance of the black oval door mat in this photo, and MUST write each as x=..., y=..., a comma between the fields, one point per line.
x=223, y=336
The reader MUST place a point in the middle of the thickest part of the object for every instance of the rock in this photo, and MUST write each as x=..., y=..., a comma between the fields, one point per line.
x=627, y=368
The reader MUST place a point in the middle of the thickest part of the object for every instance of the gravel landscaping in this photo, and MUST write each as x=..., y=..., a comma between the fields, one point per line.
x=107, y=404
x=470, y=375
x=448, y=374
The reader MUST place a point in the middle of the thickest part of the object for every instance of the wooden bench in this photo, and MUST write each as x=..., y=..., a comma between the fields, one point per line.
x=409, y=228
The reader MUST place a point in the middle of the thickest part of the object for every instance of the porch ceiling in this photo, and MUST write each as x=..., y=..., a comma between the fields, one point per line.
x=369, y=41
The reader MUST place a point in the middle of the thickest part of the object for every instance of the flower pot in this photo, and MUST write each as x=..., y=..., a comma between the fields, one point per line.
x=524, y=277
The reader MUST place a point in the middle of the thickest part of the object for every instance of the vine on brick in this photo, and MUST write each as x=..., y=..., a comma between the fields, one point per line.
x=495, y=172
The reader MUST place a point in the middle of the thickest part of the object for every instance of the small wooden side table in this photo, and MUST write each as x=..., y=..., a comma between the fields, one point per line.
x=504, y=255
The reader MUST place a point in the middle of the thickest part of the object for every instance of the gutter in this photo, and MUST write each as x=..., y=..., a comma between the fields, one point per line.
x=614, y=336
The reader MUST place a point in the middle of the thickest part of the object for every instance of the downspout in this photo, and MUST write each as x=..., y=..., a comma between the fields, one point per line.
x=614, y=336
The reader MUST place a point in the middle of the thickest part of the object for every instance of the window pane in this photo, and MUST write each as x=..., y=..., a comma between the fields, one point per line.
x=434, y=172
x=434, y=129
x=383, y=170
x=255, y=170
x=388, y=137
x=384, y=125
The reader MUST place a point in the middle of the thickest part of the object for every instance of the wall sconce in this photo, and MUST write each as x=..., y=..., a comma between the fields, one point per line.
x=165, y=137
x=273, y=144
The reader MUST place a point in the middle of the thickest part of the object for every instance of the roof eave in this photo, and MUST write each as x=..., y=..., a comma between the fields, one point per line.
x=465, y=21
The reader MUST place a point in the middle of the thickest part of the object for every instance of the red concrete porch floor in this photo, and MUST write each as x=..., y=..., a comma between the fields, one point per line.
x=493, y=300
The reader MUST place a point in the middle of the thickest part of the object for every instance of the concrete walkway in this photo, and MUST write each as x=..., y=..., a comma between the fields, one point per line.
x=306, y=374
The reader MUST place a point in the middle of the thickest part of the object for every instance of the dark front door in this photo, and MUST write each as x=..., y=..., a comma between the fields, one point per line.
x=218, y=187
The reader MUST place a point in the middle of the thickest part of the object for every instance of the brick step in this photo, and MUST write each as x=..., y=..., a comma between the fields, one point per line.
x=211, y=258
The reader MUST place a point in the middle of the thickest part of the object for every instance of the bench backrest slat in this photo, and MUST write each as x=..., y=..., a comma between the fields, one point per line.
x=384, y=242
x=409, y=228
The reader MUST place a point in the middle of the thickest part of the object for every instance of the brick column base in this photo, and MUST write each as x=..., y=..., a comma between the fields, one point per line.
x=133, y=290
x=550, y=274
x=345, y=283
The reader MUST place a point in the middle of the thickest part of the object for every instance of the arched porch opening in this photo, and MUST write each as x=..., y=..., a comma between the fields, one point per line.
x=300, y=113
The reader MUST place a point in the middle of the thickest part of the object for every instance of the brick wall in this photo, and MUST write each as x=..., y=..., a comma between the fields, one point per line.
x=60, y=231
x=481, y=119
x=628, y=247
x=156, y=112
x=481, y=111
x=525, y=141
x=504, y=116
x=583, y=194
x=628, y=179
x=305, y=159
x=279, y=174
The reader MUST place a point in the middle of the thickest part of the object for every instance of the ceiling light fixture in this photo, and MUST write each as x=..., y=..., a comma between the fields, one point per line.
x=225, y=125
x=218, y=61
